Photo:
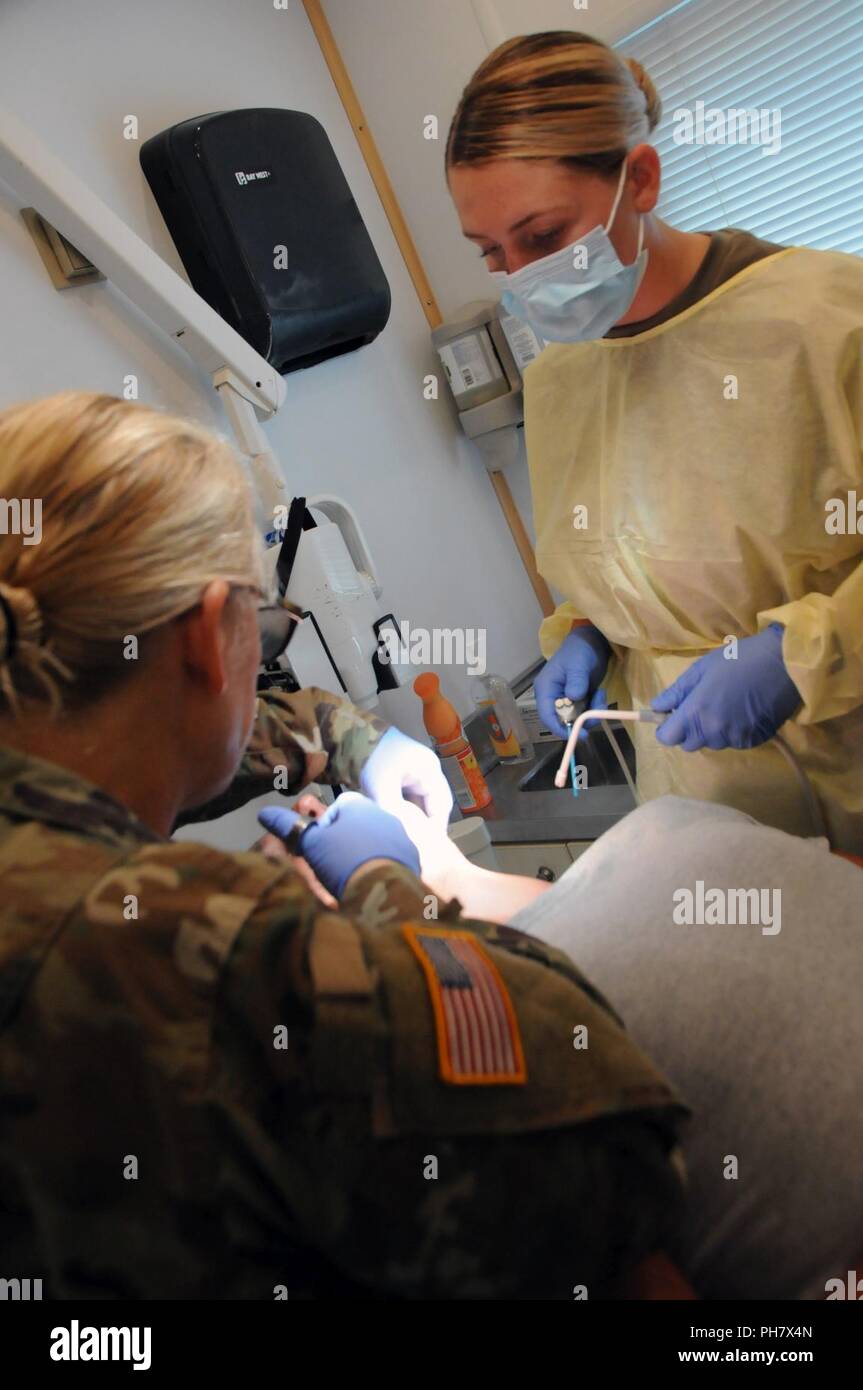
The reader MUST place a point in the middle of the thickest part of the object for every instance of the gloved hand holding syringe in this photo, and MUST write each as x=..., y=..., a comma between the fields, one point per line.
x=819, y=827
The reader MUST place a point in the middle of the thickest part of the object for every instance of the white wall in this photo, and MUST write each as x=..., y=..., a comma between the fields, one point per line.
x=357, y=426
x=412, y=58
x=409, y=59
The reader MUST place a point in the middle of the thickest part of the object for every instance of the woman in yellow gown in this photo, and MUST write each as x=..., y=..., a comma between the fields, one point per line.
x=694, y=430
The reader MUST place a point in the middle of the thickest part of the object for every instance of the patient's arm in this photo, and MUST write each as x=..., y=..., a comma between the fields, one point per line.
x=494, y=897
x=484, y=893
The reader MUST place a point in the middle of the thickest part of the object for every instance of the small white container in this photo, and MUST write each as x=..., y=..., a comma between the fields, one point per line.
x=472, y=837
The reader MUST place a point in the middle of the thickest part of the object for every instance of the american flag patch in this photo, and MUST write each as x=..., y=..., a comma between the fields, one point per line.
x=477, y=1030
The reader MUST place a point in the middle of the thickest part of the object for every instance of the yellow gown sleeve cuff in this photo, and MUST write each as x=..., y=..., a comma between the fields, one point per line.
x=556, y=627
x=822, y=648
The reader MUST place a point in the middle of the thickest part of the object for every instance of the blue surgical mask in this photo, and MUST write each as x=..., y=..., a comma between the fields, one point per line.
x=580, y=292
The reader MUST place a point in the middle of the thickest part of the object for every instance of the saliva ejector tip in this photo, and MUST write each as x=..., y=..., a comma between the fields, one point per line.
x=647, y=716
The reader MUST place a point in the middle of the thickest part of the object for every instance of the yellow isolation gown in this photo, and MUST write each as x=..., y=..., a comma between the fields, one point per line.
x=717, y=457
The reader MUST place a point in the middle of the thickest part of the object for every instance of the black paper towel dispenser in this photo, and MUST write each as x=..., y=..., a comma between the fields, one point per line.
x=269, y=232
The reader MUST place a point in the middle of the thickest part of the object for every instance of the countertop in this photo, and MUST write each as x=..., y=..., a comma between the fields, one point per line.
x=520, y=817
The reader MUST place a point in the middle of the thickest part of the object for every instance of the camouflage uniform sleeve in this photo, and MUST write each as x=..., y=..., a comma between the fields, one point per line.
x=325, y=1060
x=391, y=892
x=308, y=736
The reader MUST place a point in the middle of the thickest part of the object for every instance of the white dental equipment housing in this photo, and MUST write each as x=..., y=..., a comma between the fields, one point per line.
x=334, y=582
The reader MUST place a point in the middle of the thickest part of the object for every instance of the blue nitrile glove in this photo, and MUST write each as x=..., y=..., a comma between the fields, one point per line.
x=348, y=834
x=576, y=672
x=721, y=702
x=400, y=767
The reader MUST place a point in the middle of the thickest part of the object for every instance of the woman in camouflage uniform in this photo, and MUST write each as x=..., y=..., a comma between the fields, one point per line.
x=214, y=1085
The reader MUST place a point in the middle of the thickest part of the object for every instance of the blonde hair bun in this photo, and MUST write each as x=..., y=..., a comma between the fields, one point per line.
x=139, y=510
x=653, y=104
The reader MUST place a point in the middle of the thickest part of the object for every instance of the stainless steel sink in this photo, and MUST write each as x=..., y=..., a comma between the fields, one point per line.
x=527, y=808
x=594, y=753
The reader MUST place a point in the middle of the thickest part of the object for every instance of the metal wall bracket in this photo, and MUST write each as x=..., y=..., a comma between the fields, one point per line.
x=64, y=262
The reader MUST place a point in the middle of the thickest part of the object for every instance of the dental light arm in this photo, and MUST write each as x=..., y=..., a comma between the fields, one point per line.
x=246, y=383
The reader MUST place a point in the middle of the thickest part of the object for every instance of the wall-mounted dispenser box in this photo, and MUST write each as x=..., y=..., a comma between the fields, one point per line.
x=484, y=352
x=269, y=232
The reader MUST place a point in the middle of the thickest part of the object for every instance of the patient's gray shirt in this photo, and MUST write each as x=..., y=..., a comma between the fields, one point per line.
x=760, y=1030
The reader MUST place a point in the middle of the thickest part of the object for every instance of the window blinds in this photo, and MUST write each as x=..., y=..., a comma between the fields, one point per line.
x=801, y=60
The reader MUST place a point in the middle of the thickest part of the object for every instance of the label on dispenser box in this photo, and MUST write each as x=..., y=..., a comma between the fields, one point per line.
x=465, y=364
x=524, y=344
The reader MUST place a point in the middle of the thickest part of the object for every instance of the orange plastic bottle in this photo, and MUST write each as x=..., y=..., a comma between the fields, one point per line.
x=458, y=758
